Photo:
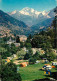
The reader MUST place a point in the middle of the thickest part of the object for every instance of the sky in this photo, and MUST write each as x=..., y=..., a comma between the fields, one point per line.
x=39, y=5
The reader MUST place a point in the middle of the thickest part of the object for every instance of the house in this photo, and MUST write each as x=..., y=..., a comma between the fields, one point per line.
x=22, y=38
x=17, y=44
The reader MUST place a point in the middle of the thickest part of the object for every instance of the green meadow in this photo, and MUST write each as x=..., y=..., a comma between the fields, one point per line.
x=32, y=72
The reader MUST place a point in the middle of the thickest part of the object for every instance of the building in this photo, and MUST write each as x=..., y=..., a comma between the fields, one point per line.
x=22, y=38
x=10, y=41
x=17, y=44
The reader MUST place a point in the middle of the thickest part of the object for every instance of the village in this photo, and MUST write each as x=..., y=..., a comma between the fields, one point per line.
x=5, y=31
x=26, y=65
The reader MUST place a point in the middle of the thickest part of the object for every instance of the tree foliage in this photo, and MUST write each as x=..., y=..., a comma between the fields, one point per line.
x=17, y=39
x=9, y=73
x=28, y=54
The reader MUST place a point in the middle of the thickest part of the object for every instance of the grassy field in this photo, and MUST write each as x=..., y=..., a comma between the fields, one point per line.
x=32, y=72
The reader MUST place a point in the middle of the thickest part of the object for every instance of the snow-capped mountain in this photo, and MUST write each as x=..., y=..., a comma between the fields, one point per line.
x=29, y=11
x=14, y=12
x=31, y=16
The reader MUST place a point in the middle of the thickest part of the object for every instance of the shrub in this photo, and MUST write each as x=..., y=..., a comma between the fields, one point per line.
x=32, y=61
x=9, y=73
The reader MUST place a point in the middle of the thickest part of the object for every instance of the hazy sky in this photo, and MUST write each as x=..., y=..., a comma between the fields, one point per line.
x=40, y=5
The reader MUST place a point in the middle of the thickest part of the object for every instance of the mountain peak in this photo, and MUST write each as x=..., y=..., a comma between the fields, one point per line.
x=44, y=12
x=26, y=8
x=13, y=12
x=29, y=11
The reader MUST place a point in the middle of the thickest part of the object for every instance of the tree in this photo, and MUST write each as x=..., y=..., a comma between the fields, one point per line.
x=21, y=44
x=36, y=55
x=46, y=46
x=5, y=39
x=55, y=28
x=13, y=49
x=17, y=39
x=28, y=45
x=26, y=57
x=30, y=36
x=32, y=60
x=9, y=73
x=2, y=52
x=37, y=41
x=28, y=54
x=5, y=55
x=51, y=34
x=42, y=33
x=51, y=56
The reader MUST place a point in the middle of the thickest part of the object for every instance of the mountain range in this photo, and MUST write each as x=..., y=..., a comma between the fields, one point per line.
x=31, y=16
x=27, y=20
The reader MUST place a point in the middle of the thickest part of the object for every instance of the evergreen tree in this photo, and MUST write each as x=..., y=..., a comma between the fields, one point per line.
x=17, y=39
x=55, y=28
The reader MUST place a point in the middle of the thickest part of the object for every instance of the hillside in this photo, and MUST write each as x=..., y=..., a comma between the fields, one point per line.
x=5, y=32
x=42, y=25
x=11, y=23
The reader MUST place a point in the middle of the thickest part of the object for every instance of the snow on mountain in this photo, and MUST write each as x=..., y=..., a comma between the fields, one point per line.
x=31, y=16
x=13, y=12
x=29, y=11
x=32, y=12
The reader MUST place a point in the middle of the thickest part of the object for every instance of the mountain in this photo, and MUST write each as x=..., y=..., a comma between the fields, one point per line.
x=31, y=16
x=11, y=23
x=42, y=25
x=26, y=21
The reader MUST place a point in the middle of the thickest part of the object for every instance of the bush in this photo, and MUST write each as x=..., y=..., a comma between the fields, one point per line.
x=26, y=57
x=36, y=55
x=9, y=73
x=28, y=45
x=29, y=54
x=32, y=61
x=51, y=56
